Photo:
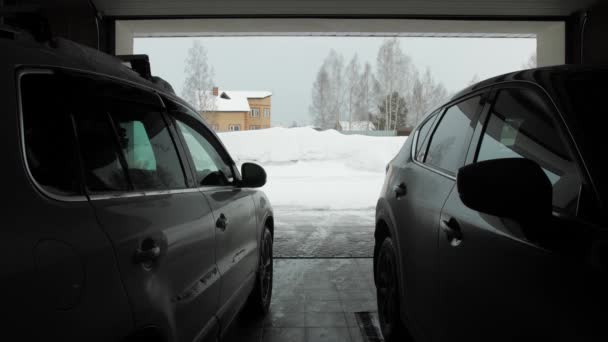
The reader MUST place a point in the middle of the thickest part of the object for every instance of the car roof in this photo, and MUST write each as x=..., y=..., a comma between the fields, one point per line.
x=21, y=50
x=539, y=76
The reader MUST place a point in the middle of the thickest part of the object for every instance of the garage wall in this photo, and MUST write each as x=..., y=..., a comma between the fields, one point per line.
x=595, y=37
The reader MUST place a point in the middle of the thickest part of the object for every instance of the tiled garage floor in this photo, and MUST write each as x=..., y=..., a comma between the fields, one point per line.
x=313, y=300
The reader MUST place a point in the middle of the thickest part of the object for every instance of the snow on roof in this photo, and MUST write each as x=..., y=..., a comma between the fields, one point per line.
x=357, y=126
x=234, y=104
x=233, y=100
x=248, y=94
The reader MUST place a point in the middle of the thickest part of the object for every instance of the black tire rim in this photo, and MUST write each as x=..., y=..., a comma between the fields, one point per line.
x=266, y=269
x=387, y=291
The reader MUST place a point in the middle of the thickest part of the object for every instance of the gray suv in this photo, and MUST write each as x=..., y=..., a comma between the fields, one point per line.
x=130, y=219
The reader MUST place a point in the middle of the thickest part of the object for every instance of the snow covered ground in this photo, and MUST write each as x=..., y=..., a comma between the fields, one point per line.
x=313, y=170
x=323, y=186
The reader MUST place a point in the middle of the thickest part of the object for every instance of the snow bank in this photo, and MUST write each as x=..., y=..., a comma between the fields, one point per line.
x=303, y=144
x=311, y=170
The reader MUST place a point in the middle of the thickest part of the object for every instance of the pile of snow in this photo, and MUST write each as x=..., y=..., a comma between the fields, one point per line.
x=312, y=170
x=305, y=144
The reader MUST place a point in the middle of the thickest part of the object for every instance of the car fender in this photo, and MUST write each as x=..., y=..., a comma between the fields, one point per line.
x=385, y=214
x=263, y=212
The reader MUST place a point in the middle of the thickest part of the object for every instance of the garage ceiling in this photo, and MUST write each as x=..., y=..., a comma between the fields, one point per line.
x=404, y=8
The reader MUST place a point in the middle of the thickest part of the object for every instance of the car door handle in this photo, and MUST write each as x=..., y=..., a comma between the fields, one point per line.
x=452, y=230
x=400, y=190
x=148, y=252
x=222, y=222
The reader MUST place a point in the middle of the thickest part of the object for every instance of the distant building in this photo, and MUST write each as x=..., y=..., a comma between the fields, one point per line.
x=230, y=110
x=356, y=126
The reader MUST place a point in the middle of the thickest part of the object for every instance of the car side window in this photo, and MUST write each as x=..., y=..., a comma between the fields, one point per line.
x=210, y=167
x=125, y=141
x=521, y=125
x=423, y=136
x=48, y=134
x=151, y=158
x=103, y=170
x=447, y=149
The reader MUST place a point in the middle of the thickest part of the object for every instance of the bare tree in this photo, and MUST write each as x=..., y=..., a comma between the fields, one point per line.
x=425, y=94
x=334, y=65
x=322, y=104
x=353, y=88
x=475, y=79
x=367, y=87
x=394, y=74
x=199, y=78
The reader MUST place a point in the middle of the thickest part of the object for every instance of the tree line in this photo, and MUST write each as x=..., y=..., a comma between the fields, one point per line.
x=395, y=95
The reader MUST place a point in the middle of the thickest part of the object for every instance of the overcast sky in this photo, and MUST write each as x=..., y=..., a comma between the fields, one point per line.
x=287, y=66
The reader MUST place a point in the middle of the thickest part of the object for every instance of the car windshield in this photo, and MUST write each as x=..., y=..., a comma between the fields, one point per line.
x=585, y=99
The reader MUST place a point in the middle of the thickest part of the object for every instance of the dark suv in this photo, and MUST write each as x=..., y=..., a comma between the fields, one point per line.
x=492, y=224
x=130, y=219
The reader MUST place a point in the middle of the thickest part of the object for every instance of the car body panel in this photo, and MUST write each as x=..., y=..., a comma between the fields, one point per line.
x=499, y=282
x=57, y=260
x=180, y=292
x=236, y=246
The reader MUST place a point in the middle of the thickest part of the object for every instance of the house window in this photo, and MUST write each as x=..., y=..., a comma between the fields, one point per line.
x=254, y=127
x=266, y=112
x=215, y=127
x=255, y=112
x=234, y=128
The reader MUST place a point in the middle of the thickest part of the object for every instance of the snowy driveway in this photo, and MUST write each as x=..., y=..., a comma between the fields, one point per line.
x=323, y=187
x=323, y=233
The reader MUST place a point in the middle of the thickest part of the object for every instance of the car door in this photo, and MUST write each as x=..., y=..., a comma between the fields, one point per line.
x=233, y=209
x=503, y=280
x=60, y=280
x=162, y=229
x=420, y=190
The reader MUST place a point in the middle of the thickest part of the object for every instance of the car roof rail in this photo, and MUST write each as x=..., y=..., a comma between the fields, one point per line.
x=28, y=18
x=138, y=63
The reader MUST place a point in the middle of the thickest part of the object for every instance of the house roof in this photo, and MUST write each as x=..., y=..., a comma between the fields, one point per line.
x=248, y=94
x=233, y=100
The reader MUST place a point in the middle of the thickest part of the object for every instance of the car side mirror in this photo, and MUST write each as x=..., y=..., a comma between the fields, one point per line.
x=513, y=188
x=253, y=175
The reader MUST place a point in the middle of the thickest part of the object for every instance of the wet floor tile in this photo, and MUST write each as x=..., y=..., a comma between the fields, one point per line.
x=325, y=319
x=314, y=300
x=324, y=306
x=328, y=335
x=284, y=335
x=359, y=305
x=288, y=306
x=355, y=334
x=285, y=320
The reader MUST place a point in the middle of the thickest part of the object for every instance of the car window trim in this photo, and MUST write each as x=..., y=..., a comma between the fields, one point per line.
x=181, y=147
x=134, y=194
x=62, y=198
x=213, y=139
x=173, y=118
x=433, y=116
x=483, y=94
x=562, y=128
x=87, y=195
x=131, y=192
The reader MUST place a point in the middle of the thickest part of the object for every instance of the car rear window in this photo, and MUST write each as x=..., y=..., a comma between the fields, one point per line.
x=48, y=135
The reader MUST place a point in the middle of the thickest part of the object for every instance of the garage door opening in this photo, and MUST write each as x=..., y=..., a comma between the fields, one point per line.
x=325, y=114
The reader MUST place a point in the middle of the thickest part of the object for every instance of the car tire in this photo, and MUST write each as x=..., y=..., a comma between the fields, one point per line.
x=259, y=300
x=387, y=294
